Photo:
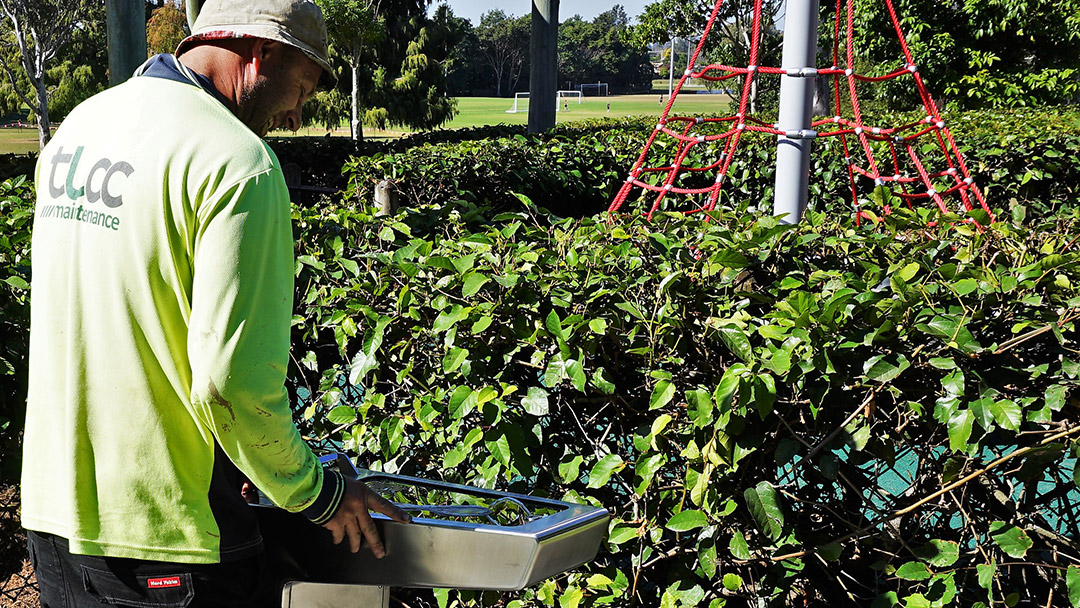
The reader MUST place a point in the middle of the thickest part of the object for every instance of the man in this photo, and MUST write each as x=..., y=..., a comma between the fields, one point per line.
x=160, y=313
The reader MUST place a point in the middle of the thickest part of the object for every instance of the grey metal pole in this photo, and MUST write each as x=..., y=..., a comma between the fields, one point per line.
x=543, y=52
x=796, y=101
x=126, y=24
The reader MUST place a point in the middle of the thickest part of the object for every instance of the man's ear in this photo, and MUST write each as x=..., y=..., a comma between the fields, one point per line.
x=263, y=50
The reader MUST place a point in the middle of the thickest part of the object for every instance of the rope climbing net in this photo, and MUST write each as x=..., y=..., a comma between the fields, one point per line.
x=893, y=157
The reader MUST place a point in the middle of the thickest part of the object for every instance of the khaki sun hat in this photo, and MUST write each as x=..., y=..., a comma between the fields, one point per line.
x=298, y=23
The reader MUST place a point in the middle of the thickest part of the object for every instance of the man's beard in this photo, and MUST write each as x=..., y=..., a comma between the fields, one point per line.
x=256, y=105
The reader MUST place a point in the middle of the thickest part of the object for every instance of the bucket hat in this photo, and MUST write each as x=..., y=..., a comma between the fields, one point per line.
x=298, y=23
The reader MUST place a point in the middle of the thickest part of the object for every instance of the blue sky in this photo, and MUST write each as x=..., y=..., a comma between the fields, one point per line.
x=588, y=9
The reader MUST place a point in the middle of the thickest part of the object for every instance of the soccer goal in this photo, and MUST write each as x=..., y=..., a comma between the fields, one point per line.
x=521, y=103
x=594, y=88
x=563, y=98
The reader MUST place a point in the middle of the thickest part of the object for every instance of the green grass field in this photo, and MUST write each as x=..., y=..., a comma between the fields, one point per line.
x=18, y=141
x=480, y=111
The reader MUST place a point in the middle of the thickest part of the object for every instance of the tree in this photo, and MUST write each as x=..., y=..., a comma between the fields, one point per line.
x=464, y=66
x=397, y=58
x=353, y=26
x=731, y=38
x=38, y=30
x=166, y=27
x=602, y=50
x=977, y=53
x=504, y=43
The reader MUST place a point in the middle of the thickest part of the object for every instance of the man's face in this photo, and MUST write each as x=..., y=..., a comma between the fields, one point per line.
x=273, y=98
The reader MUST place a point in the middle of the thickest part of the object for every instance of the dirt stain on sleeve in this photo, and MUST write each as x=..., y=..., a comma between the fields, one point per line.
x=217, y=399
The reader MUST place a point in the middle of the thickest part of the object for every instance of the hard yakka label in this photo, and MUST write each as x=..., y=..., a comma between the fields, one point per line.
x=163, y=582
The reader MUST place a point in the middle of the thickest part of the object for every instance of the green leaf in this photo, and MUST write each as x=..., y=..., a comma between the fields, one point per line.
x=462, y=401
x=576, y=374
x=17, y=282
x=600, y=381
x=535, y=401
x=916, y=600
x=342, y=414
x=909, y=271
x=708, y=559
x=645, y=471
x=699, y=407
x=454, y=358
x=732, y=581
x=965, y=286
x=500, y=449
x=886, y=600
x=598, y=326
x=940, y=553
x=737, y=341
x=879, y=369
x=1072, y=581
x=621, y=534
x=442, y=597
x=687, y=520
x=728, y=389
x=830, y=552
x=1055, y=396
x=570, y=470
x=738, y=547
x=630, y=308
x=764, y=503
x=960, y=424
x=662, y=394
x=914, y=571
x=571, y=597
x=1007, y=414
x=474, y=281
x=1011, y=539
x=986, y=574
x=554, y=325
x=601, y=473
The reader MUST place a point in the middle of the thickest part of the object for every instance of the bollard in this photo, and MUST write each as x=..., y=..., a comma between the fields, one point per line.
x=386, y=197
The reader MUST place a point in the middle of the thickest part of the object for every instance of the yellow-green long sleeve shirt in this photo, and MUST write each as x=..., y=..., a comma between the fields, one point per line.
x=160, y=307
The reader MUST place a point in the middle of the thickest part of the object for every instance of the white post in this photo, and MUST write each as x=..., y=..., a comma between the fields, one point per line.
x=796, y=101
x=671, y=70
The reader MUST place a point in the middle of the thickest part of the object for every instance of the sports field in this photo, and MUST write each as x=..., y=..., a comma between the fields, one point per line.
x=476, y=111
x=479, y=111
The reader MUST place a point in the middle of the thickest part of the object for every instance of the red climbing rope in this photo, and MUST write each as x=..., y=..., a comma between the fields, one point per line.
x=907, y=176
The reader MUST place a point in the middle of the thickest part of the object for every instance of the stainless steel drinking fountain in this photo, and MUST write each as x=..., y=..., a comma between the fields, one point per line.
x=460, y=537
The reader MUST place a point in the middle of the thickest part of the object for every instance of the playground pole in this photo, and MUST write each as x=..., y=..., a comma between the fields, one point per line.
x=125, y=22
x=543, y=52
x=796, y=100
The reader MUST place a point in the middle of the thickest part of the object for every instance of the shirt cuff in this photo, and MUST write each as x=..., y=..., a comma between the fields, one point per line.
x=329, y=499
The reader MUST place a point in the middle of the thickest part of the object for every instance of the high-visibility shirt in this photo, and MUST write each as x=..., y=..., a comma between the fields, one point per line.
x=161, y=300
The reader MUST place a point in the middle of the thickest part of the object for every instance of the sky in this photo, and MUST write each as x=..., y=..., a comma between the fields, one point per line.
x=588, y=9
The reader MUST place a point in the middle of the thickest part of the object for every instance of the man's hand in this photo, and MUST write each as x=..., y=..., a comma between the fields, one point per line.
x=352, y=517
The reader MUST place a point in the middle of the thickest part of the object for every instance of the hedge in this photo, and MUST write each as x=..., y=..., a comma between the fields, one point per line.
x=770, y=412
x=765, y=409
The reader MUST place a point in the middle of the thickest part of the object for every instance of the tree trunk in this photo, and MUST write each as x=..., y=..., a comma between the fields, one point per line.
x=42, y=113
x=822, y=96
x=356, y=130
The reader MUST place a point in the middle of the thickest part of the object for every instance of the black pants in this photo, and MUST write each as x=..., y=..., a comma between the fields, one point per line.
x=85, y=581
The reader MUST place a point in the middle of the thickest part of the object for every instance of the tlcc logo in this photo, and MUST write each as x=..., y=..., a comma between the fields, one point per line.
x=95, y=188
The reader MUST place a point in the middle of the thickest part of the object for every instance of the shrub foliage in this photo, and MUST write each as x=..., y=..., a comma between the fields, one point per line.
x=774, y=415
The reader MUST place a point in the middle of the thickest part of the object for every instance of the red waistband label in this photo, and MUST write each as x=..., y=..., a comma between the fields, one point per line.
x=159, y=583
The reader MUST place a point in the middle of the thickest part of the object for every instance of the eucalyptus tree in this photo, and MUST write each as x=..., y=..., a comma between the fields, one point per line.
x=504, y=43
x=353, y=26
x=33, y=32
